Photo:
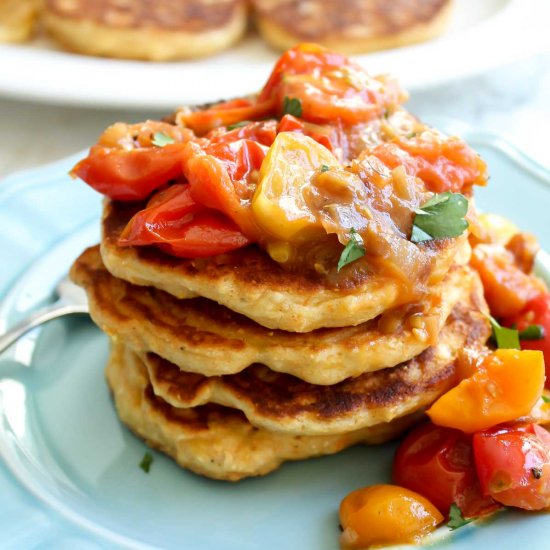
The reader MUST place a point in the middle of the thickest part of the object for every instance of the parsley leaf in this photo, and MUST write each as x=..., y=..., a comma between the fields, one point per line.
x=545, y=399
x=505, y=338
x=324, y=168
x=146, y=462
x=456, y=519
x=238, y=125
x=354, y=250
x=292, y=106
x=160, y=139
x=442, y=216
x=532, y=332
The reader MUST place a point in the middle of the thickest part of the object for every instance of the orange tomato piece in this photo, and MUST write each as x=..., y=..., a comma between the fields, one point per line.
x=386, y=514
x=507, y=287
x=505, y=387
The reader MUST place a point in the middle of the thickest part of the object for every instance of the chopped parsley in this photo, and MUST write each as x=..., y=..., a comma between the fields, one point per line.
x=456, y=519
x=441, y=217
x=160, y=139
x=146, y=462
x=505, y=338
x=238, y=125
x=292, y=106
x=324, y=168
x=545, y=399
x=532, y=332
x=354, y=250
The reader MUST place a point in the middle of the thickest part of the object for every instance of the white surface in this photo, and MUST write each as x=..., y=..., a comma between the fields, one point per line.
x=484, y=34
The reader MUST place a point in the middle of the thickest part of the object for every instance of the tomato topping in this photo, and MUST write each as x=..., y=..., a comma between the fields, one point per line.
x=328, y=85
x=439, y=464
x=130, y=175
x=385, y=514
x=228, y=113
x=442, y=164
x=177, y=224
x=263, y=132
x=506, y=386
x=222, y=176
x=513, y=465
x=507, y=288
x=536, y=312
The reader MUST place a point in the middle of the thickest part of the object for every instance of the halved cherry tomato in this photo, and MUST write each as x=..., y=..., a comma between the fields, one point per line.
x=177, y=224
x=439, y=464
x=227, y=113
x=130, y=175
x=443, y=164
x=385, y=514
x=507, y=288
x=513, y=465
x=328, y=85
x=263, y=132
x=222, y=176
x=536, y=312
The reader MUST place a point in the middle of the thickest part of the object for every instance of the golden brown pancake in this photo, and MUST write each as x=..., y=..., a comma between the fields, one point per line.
x=215, y=441
x=201, y=336
x=141, y=29
x=283, y=403
x=249, y=282
x=17, y=19
x=351, y=26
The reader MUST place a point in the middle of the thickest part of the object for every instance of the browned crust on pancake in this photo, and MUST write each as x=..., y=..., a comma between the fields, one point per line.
x=201, y=336
x=215, y=441
x=351, y=26
x=281, y=402
x=192, y=16
x=248, y=281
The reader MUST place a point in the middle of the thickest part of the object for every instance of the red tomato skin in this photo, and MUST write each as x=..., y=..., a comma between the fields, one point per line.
x=438, y=463
x=513, y=465
x=130, y=175
x=180, y=226
x=535, y=312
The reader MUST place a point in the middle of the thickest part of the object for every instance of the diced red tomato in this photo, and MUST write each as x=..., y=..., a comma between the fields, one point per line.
x=535, y=312
x=130, y=175
x=439, y=464
x=263, y=132
x=177, y=224
x=443, y=165
x=513, y=465
x=329, y=86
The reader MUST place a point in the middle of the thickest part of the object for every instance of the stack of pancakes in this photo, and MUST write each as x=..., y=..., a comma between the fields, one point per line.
x=232, y=365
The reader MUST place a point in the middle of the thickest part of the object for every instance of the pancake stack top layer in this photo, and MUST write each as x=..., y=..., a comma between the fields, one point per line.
x=267, y=275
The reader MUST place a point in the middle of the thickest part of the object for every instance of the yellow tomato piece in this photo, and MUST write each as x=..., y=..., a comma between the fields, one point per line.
x=506, y=386
x=498, y=228
x=386, y=514
x=279, y=206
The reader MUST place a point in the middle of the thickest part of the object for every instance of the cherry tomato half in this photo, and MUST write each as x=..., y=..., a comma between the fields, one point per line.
x=513, y=465
x=438, y=463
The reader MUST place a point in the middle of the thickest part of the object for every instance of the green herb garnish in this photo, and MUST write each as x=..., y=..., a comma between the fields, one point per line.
x=505, y=338
x=354, y=250
x=146, y=462
x=532, y=332
x=545, y=399
x=292, y=106
x=324, y=168
x=442, y=216
x=238, y=125
x=160, y=139
x=456, y=519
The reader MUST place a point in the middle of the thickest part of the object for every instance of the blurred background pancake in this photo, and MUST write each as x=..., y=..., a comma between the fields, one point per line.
x=214, y=441
x=142, y=29
x=17, y=19
x=351, y=26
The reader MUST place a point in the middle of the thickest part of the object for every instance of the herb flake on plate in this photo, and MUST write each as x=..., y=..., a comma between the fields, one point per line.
x=146, y=462
x=456, y=519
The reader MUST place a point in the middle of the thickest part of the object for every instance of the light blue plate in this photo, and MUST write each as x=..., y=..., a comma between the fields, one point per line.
x=70, y=477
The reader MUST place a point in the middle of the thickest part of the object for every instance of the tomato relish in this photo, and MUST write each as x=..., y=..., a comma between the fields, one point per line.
x=306, y=164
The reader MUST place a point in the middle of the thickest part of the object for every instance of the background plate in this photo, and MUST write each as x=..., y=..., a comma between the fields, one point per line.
x=70, y=477
x=483, y=35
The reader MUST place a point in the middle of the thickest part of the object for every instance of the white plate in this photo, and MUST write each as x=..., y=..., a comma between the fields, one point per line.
x=484, y=34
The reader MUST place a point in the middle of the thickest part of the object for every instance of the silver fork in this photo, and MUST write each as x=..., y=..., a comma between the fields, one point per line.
x=71, y=299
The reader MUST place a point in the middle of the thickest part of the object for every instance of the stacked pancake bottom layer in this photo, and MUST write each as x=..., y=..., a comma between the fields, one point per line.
x=228, y=398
